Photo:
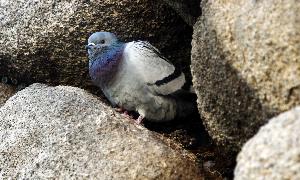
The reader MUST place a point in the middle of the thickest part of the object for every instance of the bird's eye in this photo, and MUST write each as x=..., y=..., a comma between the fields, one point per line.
x=102, y=41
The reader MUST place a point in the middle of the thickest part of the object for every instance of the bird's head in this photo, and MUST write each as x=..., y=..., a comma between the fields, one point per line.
x=99, y=42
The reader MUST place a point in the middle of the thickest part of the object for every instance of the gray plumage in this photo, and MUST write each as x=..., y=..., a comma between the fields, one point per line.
x=136, y=77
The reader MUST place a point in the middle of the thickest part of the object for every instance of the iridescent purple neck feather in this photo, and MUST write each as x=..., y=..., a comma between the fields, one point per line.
x=105, y=62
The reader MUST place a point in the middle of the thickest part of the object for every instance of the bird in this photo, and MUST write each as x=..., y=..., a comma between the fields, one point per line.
x=135, y=76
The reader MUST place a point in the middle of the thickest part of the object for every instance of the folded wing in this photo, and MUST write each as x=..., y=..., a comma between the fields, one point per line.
x=158, y=74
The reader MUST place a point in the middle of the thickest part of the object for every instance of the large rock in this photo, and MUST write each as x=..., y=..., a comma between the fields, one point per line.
x=43, y=41
x=245, y=65
x=5, y=93
x=65, y=133
x=273, y=153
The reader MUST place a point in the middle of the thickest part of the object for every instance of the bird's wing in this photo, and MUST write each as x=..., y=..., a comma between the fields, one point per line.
x=160, y=75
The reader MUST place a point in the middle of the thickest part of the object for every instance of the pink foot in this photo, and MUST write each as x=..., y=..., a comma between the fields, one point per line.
x=139, y=120
x=124, y=112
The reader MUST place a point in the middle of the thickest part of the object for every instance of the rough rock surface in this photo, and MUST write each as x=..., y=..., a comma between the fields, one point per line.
x=245, y=65
x=273, y=153
x=65, y=133
x=43, y=41
x=189, y=10
x=5, y=92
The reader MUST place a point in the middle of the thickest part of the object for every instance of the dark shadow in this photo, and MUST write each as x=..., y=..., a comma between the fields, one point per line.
x=189, y=10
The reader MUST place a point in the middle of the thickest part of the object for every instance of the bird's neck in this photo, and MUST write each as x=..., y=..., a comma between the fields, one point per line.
x=104, y=66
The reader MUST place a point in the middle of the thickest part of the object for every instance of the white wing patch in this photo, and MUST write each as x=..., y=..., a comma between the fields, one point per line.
x=153, y=68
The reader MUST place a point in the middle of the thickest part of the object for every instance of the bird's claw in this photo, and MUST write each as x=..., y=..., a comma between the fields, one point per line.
x=139, y=120
x=125, y=113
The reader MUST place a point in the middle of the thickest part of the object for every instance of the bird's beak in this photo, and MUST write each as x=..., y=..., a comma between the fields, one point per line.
x=87, y=47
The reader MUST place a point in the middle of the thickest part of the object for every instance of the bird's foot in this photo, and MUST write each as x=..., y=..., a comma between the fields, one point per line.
x=139, y=120
x=124, y=112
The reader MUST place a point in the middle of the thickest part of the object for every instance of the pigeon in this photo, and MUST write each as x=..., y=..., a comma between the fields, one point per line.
x=135, y=76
